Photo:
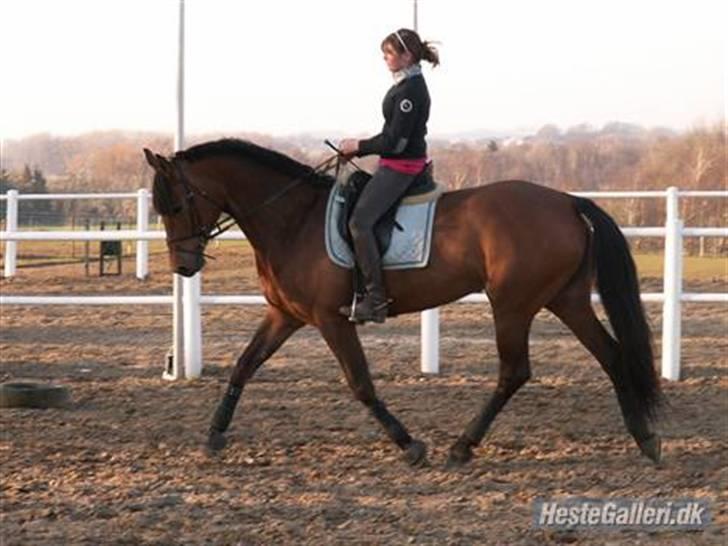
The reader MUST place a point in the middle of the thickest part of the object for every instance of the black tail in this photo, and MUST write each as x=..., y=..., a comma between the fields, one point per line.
x=633, y=373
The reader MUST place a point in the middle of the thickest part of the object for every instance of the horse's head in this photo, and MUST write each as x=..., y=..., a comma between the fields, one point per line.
x=189, y=212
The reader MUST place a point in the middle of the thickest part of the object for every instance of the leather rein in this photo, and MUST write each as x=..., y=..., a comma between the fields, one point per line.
x=205, y=233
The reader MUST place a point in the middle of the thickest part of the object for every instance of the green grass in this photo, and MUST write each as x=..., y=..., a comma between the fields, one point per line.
x=695, y=268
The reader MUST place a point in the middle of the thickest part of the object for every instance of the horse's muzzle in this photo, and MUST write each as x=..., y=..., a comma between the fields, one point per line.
x=186, y=271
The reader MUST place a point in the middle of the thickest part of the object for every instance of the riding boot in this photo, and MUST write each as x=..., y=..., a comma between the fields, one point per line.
x=373, y=307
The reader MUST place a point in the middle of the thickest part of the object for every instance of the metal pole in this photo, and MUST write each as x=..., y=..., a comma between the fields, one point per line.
x=430, y=319
x=191, y=320
x=180, y=132
x=11, y=226
x=176, y=369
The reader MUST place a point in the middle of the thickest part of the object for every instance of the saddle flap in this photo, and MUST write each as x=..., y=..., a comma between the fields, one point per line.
x=403, y=233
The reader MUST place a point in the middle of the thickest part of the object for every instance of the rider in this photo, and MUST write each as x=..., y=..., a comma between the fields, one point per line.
x=403, y=155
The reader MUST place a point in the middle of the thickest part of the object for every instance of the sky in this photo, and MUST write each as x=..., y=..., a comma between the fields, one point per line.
x=298, y=66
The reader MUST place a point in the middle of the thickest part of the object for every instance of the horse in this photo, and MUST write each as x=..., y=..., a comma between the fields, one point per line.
x=527, y=246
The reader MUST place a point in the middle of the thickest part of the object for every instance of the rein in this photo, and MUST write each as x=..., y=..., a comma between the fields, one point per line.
x=205, y=233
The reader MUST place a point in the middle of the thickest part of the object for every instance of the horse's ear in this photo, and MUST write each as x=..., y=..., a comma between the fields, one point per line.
x=151, y=159
x=159, y=163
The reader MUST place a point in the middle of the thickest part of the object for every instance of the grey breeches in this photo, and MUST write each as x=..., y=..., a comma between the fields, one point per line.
x=380, y=193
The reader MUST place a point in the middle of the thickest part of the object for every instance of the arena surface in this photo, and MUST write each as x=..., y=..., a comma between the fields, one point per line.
x=305, y=462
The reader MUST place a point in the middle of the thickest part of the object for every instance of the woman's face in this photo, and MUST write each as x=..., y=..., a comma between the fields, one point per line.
x=394, y=60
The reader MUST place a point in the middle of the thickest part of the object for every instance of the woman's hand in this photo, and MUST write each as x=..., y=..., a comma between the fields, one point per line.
x=349, y=147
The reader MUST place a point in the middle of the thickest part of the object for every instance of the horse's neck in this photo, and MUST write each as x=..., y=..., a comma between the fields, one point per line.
x=275, y=216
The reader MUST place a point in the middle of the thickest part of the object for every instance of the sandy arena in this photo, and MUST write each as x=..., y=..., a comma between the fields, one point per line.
x=305, y=462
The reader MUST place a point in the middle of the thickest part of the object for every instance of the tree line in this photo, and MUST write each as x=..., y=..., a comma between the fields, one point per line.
x=616, y=157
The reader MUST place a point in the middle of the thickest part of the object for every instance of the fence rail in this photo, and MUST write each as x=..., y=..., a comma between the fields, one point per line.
x=672, y=296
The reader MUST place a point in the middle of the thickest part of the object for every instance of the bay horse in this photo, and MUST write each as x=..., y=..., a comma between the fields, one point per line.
x=527, y=246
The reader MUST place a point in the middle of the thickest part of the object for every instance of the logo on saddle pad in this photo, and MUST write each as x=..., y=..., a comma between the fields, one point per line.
x=404, y=238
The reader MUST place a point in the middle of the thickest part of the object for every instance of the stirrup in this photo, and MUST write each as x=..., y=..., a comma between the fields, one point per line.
x=360, y=314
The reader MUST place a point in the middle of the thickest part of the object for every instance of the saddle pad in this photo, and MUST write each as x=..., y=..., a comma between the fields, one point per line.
x=410, y=247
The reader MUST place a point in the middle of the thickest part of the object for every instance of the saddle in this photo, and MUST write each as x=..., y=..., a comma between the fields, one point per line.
x=419, y=190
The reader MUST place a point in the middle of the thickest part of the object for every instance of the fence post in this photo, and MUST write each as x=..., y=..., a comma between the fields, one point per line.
x=173, y=366
x=430, y=341
x=192, y=320
x=672, y=288
x=11, y=225
x=142, y=247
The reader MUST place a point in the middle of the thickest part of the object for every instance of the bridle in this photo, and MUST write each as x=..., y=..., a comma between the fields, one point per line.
x=204, y=233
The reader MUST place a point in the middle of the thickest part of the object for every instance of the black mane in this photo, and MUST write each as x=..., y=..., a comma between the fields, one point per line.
x=247, y=150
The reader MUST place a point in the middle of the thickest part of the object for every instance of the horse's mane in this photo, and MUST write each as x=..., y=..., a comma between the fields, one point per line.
x=247, y=150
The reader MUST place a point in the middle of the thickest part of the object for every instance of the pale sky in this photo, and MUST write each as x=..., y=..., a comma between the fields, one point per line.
x=292, y=66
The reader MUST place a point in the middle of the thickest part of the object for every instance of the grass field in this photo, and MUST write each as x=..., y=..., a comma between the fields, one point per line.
x=695, y=268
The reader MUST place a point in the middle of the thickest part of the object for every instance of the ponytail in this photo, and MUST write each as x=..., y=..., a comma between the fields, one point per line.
x=430, y=53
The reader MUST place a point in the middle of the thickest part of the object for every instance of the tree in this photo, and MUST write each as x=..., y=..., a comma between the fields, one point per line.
x=38, y=183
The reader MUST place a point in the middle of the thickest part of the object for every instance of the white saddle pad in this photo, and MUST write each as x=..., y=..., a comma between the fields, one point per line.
x=410, y=247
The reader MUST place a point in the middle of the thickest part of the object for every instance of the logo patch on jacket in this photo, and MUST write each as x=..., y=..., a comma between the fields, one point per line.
x=405, y=105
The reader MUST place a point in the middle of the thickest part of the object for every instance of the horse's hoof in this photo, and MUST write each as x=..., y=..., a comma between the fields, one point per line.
x=416, y=454
x=459, y=455
x=216, y=441
x=651, y=447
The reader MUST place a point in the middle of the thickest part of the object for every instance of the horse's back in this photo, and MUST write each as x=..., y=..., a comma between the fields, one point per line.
x=528, y=235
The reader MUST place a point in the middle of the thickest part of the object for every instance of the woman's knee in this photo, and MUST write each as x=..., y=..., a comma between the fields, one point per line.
x=359, y=225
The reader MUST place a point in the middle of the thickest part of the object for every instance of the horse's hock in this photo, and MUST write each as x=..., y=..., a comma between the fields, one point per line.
x=29, y=394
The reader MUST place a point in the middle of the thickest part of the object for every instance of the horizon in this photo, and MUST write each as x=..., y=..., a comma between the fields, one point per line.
x=470, y=134
x=505, y=68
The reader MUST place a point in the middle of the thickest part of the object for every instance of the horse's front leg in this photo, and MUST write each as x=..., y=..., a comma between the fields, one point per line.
x=275, y=329
x=342, y=338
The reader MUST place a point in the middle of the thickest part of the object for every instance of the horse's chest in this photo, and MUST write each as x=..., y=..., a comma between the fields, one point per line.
x=281, y=290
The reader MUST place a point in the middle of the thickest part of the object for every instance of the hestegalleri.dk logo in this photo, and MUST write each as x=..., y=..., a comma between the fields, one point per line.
x=583, y=513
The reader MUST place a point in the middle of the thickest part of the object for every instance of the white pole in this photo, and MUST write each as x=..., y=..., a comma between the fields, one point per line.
x=142, y=247
x=430, y=319
x=190, y=293
x=179, y=135
x=174, y=369
x=11, y=226
x=192, y=323
x=430, y=341
x=672, y=278
x=187, y=330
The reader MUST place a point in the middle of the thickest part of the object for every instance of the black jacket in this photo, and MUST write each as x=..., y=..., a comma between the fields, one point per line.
x=406, y=108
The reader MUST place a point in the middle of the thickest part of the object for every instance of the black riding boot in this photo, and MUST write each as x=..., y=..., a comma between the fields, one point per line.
x=373, y=307
x=379, y=194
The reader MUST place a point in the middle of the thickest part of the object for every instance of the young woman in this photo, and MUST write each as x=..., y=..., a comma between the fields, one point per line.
x=403, y=155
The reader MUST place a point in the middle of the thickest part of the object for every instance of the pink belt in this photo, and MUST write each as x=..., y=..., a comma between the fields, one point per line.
x=406, y=166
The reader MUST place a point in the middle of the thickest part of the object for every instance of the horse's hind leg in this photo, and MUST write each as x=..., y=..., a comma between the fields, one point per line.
x=511, y=330
x=573, y=308
x=272, y=332
x=342, y=338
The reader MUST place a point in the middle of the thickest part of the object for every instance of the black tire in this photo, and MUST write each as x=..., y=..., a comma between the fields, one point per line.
x=33, y=395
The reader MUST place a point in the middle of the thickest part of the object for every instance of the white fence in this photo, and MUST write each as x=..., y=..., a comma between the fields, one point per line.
x=188, y=364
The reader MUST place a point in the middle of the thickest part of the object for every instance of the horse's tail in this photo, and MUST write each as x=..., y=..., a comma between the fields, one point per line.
x=633, y=372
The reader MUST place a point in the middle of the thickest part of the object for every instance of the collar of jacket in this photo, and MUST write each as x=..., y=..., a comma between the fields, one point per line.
x=408, y=72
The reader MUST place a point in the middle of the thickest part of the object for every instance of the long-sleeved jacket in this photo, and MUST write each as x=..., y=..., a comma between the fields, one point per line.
x=406, y=108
